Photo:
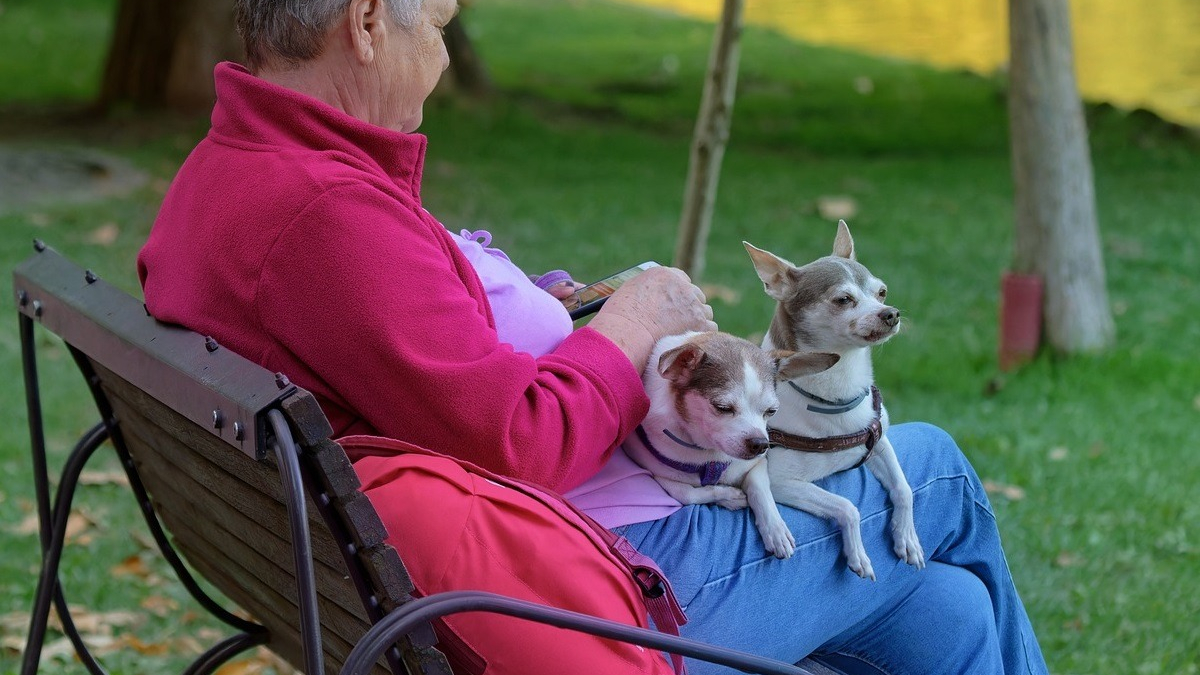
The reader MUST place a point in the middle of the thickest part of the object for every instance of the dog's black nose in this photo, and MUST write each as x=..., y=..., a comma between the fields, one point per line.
x=890, y=316
x=757, y=446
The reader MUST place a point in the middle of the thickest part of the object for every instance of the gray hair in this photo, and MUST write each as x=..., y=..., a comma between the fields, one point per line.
x=293, y=31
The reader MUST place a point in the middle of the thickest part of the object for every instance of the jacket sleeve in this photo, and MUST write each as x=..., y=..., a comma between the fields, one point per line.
x=373, y=298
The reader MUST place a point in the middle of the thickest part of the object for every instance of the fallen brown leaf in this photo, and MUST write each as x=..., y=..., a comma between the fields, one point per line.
x=104, y=478
x=100, y=623
x=837, y=207
x=188, y=645
x=722, y=293
x=105, y=235
x=13, y=623
x=135, y=643
x=1065, y=559
x=159, y=605
x=133, y=566
x=12, y=644
x=262, y=661
x=1011, y=492
x=79, y=526
x=58, y=650
x=27, y=525
x=209, y=634
x=145, y=541
x=247, y=667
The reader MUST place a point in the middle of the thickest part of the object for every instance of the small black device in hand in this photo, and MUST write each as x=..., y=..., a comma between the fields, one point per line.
x=590, y=298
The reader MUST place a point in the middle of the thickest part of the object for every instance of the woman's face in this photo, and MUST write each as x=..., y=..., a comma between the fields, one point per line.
x=410, y=64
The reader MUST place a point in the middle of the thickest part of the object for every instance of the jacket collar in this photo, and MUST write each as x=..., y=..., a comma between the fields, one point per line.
x=253, y=111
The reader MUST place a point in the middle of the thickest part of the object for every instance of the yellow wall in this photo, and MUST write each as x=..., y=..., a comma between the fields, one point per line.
x=1132, y=54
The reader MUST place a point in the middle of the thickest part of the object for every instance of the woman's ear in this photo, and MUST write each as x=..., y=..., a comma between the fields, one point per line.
x=366, y=27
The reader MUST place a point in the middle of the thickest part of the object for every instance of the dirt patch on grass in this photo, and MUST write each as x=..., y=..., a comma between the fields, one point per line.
x=33, y=175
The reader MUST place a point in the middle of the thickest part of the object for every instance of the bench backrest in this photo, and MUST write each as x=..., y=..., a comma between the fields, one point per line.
x=192, y=417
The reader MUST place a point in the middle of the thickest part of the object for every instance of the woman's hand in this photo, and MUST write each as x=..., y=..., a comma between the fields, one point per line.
x=563, y=289
x=659, y=302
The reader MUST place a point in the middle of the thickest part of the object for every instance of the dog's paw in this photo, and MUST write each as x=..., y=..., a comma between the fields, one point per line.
x=860, y=564
x=907, y=546
x=778, y=539
x=730, y=497
x=909, y=550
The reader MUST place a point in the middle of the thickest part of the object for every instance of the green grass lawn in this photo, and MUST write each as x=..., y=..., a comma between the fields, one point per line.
x=580, y=163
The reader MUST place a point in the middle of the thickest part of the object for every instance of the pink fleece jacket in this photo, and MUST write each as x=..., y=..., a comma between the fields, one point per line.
x=294, y=234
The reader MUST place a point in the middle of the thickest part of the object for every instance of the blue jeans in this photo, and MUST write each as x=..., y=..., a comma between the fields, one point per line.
x=961, y=614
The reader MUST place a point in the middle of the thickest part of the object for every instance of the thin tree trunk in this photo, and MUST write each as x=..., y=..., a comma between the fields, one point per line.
x=709, y=140
x=1056, y=234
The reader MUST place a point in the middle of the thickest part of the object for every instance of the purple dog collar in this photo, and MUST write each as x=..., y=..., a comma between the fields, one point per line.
x=709, y=473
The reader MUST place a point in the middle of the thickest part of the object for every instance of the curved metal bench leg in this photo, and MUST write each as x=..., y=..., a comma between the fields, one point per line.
x=53, y=517
x=216, y=656
x=404, y=618
x=147, y=507
x=48, y=589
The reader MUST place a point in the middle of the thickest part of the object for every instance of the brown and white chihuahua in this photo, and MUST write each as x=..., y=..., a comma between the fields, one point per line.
x=834, y=420
x=705, y=436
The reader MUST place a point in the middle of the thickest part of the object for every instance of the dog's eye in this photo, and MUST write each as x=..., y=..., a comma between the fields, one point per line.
x=770, y=412
x=882, y=293
x=723, y=408
x=843, y=300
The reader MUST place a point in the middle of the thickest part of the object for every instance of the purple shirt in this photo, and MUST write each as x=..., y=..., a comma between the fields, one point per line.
x=528, y=318
x=535, y=322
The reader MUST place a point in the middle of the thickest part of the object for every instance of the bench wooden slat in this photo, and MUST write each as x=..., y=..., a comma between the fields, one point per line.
x=225, y=489
x=215, y=487
x=259, y=551
x=285, y=643
x=176, y=478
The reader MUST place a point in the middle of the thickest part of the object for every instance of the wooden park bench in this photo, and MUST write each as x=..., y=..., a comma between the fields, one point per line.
x=236, y=464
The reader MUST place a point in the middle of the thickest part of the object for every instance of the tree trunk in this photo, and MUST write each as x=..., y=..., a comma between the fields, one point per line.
x=1056, y=234
x=162, y=53
x=708, y=141
x=470, y=75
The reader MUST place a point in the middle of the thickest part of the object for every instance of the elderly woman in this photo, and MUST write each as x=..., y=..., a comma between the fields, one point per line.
x=294, y=234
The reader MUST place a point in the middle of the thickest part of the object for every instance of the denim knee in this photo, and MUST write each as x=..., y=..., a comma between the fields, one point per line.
x=943, y=624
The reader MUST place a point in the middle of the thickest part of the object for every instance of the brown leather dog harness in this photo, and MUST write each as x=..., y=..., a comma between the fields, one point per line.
x=868, y=437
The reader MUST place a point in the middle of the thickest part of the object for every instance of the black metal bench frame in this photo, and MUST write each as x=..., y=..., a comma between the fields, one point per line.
x=219, y=401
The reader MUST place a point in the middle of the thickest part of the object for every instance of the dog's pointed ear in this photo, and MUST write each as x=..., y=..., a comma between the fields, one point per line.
x=676, y=365
x=790, y=364
x=776, y=273
x=843, y=243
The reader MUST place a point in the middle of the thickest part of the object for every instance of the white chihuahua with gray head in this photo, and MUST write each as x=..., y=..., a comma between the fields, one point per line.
x=834, y=420
x=705, y=436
